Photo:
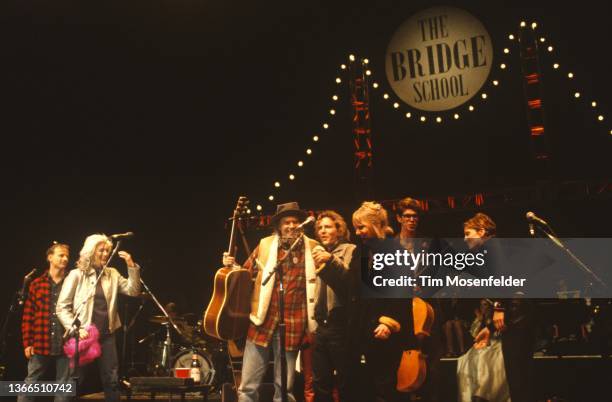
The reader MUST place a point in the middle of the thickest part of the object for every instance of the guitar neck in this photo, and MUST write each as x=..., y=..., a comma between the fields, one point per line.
x=239, y=211
x=232, y=240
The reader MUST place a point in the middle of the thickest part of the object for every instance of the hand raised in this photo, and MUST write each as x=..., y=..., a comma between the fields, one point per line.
x=128, y=259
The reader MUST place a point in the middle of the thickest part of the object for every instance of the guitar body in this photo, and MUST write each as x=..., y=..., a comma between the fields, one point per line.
x=412, y=370
x=227, y=314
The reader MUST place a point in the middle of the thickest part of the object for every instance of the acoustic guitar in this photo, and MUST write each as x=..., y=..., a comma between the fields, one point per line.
x=227, y=314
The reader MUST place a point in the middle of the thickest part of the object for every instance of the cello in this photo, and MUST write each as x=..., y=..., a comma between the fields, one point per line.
x=227, y=314
x=412, y=370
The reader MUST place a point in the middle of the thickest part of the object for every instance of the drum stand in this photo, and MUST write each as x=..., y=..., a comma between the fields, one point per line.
x=165, y=363
x=167, y=350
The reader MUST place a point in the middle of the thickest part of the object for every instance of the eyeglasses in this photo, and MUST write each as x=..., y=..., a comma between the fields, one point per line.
x=410, y=216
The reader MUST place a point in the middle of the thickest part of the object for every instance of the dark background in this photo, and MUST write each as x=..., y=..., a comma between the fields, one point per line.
x=153, y=116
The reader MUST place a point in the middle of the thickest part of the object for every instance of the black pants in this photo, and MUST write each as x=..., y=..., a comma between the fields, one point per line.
x=517, y=348
x=329, y=354
x=108, y=368
x=382, y=361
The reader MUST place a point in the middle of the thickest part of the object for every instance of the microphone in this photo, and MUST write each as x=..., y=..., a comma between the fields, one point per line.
x=26, y=281
x=125, y=235
x=534, y=218
x=29, y=276
x=308, y=220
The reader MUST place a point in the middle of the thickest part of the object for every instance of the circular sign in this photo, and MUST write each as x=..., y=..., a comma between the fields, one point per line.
x=439, y=58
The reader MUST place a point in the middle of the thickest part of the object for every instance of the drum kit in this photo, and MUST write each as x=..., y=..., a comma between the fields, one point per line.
x=173, y=343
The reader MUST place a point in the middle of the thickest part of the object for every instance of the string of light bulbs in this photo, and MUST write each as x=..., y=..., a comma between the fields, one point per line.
x=500, y=68
x=315, y=138
x=424, y=117
x=569, y=75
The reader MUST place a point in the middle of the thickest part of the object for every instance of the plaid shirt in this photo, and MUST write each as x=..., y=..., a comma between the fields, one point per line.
x=39, y=316
x=294, y=279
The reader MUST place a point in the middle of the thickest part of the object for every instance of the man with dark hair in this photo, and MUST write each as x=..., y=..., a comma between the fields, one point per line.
x=409, y=213
x=299, y=281
x=42, y=332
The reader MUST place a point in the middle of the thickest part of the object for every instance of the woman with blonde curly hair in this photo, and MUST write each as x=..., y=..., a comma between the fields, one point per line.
x=90, y=293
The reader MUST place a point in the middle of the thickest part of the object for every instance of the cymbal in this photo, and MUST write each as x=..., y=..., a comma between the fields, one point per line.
x=162, y=319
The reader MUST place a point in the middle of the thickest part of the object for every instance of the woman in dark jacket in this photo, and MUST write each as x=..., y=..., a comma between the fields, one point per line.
x=381, y=327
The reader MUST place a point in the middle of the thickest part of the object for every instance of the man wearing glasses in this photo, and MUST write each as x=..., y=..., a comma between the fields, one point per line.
x=408, y=212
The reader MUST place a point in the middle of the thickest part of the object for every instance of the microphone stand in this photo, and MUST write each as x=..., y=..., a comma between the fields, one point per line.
x=557, y=241
x=281, y=310
x=17, y=302
x=126, y=328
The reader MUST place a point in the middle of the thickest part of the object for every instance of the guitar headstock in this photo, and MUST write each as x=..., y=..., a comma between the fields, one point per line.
x=242, y=208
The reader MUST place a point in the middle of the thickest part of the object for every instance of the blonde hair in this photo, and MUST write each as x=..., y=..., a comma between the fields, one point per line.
x=89, y=247
x=372, y=214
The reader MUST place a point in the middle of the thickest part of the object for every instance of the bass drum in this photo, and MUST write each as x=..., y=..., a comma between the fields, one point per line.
x=207, y=370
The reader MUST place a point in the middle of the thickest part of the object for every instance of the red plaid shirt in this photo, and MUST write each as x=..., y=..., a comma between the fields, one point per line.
x=35, y=324
x=296, y=316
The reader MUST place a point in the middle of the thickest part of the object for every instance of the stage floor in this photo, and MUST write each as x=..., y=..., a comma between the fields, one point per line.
x=146, y=396
x=573, y=377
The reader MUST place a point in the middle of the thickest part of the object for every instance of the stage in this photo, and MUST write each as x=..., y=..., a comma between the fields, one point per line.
x=576, y=378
